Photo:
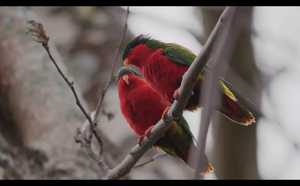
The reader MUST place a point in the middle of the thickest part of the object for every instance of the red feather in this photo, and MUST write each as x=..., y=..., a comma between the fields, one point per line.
x=136, y=113
x=163, y=83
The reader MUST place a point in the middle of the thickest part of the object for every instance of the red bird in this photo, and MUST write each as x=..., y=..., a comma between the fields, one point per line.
x=143, y=108
x=163, y=65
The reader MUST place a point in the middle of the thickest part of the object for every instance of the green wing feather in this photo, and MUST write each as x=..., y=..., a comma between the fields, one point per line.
x=186, y=126
x=178, y=54
x=173, y=51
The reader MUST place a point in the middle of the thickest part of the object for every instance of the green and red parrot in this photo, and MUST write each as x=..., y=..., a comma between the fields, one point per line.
x=163, y=65
x=143, y=108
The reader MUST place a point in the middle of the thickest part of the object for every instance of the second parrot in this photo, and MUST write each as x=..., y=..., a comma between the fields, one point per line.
x=143, y=108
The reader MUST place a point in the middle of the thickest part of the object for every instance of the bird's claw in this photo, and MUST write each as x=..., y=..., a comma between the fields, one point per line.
x=176, y=96
x=147, y=132
x=164, y=115
x=140, y=141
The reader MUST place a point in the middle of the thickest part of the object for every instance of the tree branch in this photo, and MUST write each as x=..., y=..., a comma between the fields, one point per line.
x=95, y=113
x=42, y=38
x=112, y=77
x=39, y=31
x=100, y=101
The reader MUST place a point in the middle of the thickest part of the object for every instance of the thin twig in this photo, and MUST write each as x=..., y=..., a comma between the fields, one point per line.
x=42, y=38
x=110, y=81
x=80, y=136
x=112, y=77
x=151, y=160
x=39, y=31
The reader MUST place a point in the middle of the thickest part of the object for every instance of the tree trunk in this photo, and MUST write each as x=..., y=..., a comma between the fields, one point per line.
x=234, y=148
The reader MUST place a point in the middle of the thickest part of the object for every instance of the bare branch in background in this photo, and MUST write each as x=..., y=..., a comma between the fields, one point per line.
x=112, y=77
x=40, y=33
x=210, y=93
x=158, y=155
x=80, y=136
x=100, y=102
x=42, y=38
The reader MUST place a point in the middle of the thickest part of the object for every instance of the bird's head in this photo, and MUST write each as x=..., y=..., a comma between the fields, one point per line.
x=128, y=53
x=125, y=73
x=137, y=49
